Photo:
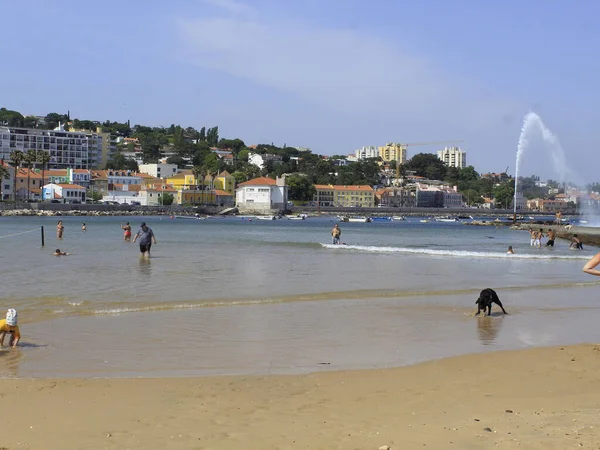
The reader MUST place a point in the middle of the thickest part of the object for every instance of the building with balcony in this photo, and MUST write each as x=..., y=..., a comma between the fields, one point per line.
x=78, y=150
x=453, y=157
x=369, y=151
x=344, y=196
x=393, y=152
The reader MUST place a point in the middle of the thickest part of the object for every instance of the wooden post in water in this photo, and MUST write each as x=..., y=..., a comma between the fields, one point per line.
x=42, y=230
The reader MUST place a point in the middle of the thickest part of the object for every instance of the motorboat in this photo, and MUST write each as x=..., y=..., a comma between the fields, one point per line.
x=297, y=217
x=359, y=219
x=446, y=219
x=265, y=217
x=343, y=219
x=398, y=217
x=381, y=219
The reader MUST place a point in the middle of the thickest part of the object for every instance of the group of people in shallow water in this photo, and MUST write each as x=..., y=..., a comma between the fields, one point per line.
x=537, y=236
x=145, y=235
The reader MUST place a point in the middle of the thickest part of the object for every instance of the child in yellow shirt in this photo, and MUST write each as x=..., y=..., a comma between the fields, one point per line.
x=9, y=325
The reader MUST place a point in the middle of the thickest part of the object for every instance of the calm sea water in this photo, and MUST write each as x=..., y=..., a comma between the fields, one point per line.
x=232, y=295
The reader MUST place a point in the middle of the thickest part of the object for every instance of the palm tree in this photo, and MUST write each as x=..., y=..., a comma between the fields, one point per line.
x=43, y=157
x=196, y=170
x=30, y=158
x=213, y=174
x=16, y=157
x=4, y=175
x=203, y=173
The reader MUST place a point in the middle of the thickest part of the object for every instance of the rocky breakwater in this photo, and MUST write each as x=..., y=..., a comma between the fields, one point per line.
x=48, y=213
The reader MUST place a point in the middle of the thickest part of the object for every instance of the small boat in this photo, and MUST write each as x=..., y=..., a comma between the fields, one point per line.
x=446, y=219
x=583, y=221
x=360, y=219
x=381, y=219
x=189, y=217
x=298, y=217
x=265, y=217
x=398, y=217
x=343, y=219
x=465, y=217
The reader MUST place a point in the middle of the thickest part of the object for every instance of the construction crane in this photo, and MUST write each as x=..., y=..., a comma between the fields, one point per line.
x=417, y=144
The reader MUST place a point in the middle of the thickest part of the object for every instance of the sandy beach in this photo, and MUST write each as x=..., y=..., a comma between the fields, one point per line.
x=540, y=398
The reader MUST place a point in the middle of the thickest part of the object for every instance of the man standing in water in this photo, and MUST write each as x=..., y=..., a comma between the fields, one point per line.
x=336, y=232
x=146, y=236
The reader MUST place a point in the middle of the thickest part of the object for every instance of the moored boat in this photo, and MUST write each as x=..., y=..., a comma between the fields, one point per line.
x=398, y=217
x=446, y=219
x=381, y=219
x=265, y=217
x=360, y=219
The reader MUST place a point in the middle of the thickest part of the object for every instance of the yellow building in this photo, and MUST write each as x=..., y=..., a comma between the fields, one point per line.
x=226, y=182
x=393, y=152
x=344, y=196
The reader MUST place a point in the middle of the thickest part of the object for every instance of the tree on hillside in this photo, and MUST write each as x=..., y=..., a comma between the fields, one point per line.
x=299, y=188
x=427, y=165
x=119, y=162
x=202, y=135
x=52, y=120
x=212, y=136
x=11, y=118
x=234, y=144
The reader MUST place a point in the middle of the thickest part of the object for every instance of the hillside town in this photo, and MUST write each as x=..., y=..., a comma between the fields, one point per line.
x=43, y=159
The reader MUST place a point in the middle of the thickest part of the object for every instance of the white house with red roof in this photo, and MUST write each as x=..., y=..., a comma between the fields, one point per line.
x=65, y=193
x=262, y=195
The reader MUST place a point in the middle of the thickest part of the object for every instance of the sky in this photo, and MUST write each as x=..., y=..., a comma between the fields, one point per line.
x=330, y=75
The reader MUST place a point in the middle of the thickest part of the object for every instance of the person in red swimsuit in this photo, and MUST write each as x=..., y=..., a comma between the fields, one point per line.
x=127, y=233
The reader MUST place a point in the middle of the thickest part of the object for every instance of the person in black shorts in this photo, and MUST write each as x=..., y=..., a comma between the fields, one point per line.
x=146, y=237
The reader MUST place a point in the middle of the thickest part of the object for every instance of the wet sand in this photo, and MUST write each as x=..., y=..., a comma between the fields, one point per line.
x=534, y=399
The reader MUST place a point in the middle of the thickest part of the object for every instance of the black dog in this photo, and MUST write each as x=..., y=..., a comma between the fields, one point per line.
x=485, y=300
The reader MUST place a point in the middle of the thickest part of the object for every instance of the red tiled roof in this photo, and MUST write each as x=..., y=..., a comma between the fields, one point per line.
x=71, y=186
x=222, y=193
x=261, y=181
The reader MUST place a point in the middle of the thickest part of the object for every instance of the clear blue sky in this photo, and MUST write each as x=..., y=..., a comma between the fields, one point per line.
x=332, y=75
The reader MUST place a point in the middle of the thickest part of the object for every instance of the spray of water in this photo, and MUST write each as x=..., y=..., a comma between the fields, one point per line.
x=533, y=127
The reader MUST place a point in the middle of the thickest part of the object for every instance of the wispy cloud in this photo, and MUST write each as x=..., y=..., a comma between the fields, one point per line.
x=231, y=6
x=345, y=69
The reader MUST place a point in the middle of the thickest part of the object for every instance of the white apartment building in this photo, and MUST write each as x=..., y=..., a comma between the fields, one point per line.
x=370, y=151
x=159, y=170
x=76, y=150
x=453, y=157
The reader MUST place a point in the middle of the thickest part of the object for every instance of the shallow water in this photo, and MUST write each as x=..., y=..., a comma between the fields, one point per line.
x=238, y=296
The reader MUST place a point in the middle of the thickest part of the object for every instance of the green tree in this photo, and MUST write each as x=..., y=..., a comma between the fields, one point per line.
x=4, y=175
x=504, y=193
x=299, y=188
x=52, y=120
x=176, y=159
x=202, y=136
x=243, y=155
x=427, y=165
x=94, y=195
x=11, y=118
x=119, y=162
x=212, y=136
x=16, y=157
x=167, y=199
x=234, y=144
x=29, y=159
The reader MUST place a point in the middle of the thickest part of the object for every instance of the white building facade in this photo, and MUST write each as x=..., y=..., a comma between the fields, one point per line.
x=66, y=193
x=262, y=195
x=453, y=157
x=370, y=151
x=159, y=170
x=77, y=150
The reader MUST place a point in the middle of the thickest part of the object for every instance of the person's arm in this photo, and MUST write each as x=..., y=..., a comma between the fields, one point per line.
x=153, y=238
x=2, y=336
x=135, y=237
x=591, y=264
x=15, y=338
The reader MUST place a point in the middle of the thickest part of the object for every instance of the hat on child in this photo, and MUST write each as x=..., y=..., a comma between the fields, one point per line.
x=11, y=317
